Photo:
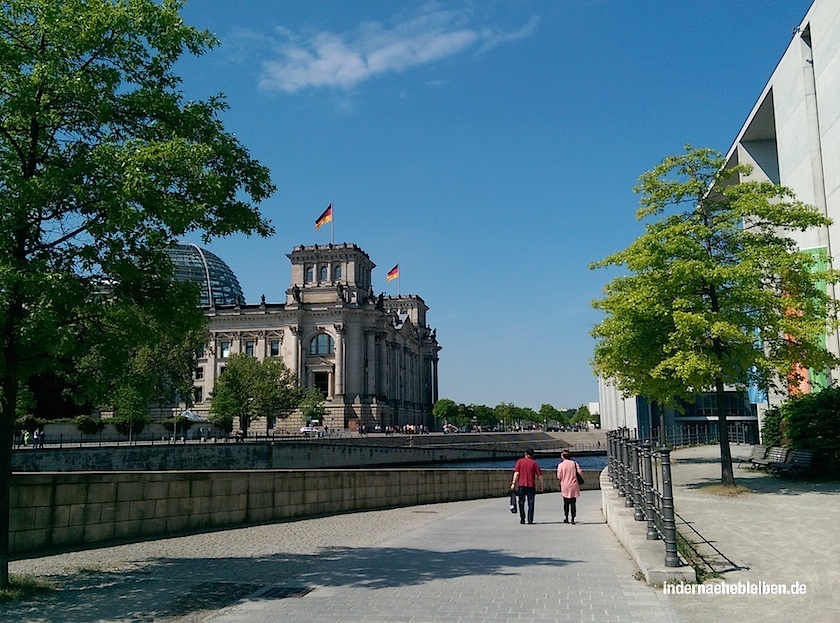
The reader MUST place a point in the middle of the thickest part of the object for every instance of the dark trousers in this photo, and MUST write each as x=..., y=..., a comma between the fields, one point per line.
x=530, y=493
x=569, y=503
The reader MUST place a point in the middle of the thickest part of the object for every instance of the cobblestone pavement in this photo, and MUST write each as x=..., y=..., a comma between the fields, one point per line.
x=781, y=532
x=465, y=561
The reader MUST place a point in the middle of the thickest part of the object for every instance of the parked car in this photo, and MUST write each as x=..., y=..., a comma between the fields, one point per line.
x=311, y=431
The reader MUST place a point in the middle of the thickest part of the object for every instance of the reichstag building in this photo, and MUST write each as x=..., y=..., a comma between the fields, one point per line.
x=373, y=357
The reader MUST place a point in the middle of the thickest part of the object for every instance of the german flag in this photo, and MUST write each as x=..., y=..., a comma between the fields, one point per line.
x=393, y=273
x=325, y=218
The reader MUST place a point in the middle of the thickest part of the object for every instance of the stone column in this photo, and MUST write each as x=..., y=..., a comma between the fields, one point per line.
x=339, y=359
x=371, y=360
x=295, y=347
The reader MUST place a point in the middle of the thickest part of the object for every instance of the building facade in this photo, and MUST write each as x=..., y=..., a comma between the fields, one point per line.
x=792, y=137
x=374, y=358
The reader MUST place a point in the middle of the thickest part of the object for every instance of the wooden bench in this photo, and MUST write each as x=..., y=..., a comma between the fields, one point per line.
x=798, y=462
x=774, y=455
x=757, y=453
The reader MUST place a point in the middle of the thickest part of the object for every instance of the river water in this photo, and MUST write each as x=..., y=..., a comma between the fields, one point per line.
x=547, y=463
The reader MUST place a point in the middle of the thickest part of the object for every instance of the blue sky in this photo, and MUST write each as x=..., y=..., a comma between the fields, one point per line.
x=490, y=148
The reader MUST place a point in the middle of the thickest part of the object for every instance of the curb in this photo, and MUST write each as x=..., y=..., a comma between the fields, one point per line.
x=649, y=555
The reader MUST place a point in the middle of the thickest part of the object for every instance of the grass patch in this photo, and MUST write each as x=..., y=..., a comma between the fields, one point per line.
x=715, y=488
x=690, y=554
x=23, y=587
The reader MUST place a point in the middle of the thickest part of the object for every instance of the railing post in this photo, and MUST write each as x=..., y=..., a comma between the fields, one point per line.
x=668, y=523
x=614, y=449
x=628, y=473
x=650, y=497
x=638, y=513
x=622, y=466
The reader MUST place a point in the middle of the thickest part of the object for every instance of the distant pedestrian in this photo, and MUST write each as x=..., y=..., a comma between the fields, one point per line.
x=41, y=437
x=26, y=438
x=526, y=473
x=36, y=438
x=567, y=474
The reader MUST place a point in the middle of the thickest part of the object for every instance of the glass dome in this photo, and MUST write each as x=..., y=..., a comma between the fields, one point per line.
x=207, y=269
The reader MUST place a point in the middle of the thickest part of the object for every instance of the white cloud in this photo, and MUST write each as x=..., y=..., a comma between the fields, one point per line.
x=342, y=61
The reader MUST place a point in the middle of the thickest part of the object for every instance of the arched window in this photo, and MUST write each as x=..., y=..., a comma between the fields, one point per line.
x=337, y=273
x=321, y=344
x=309, y=274
x=323, y=273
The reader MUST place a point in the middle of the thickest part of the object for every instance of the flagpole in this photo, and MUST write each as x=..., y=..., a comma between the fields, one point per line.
x=332, y=224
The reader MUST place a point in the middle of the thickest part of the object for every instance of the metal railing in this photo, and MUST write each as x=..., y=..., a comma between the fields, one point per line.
x=642, y=475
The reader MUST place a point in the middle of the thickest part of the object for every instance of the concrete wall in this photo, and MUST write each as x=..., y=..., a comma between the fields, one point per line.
x=57, y=510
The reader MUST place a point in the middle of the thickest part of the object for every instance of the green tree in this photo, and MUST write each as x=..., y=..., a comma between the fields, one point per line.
x=312, y=405
x=717, y=295
x=102, y=165
x=549, y=413
x=485, y=415
x=250, y=389
x=276, y=391
x=582, y=415
x=445, y=410
x=506, y=413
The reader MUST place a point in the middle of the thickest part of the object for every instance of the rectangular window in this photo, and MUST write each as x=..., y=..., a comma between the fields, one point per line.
x=199, y=373
x=249, y=347
x=274, y=348
x=224, y=349
x=200, y=354
x=198, y=394
x=321, y=380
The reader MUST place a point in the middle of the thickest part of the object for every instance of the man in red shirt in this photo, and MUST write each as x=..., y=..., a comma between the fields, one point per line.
x=525, y=475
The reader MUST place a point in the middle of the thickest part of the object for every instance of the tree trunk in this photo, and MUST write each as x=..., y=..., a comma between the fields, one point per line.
x=727, y=477
x=7, y=433
x=8, y=401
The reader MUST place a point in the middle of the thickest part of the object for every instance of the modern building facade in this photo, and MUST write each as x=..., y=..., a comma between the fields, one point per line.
x=374, y=358
x=790, y=137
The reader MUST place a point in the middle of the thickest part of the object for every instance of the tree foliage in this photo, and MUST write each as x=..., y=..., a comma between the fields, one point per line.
x=250, y=389
x=102, y=165
x=716, y=293
x=808, y=422
x=312, y=405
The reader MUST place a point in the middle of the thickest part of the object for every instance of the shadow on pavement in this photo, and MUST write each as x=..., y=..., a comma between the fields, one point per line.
x=167, y=588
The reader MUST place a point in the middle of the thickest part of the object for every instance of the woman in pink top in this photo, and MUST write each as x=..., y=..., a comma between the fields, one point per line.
x=567, y=471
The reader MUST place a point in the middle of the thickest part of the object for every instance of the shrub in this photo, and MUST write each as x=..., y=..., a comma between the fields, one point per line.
x=812, y=422
x=771, y=429
x=130, y=425
x=88, y=425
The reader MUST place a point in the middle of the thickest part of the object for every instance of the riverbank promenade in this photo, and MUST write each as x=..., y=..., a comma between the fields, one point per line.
x=462, y=562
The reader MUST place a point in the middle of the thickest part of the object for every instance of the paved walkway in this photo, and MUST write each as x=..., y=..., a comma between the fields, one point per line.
x=781, y=532
x=465, y=562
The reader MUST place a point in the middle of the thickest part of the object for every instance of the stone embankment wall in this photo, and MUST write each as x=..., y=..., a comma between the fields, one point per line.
x=314, y=454
x=56, y=510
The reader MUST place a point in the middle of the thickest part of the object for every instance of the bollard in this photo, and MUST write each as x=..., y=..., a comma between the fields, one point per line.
x=668, y=523
x=647, y=450
x=638, y=512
